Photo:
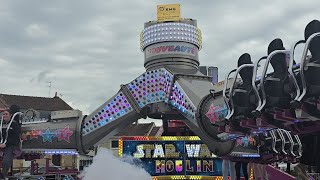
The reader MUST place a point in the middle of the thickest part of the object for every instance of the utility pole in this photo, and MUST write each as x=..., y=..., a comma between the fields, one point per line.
x=50, y=85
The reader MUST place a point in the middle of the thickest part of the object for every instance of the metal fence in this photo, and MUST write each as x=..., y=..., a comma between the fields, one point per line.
x=314, y=176
x=64, y=176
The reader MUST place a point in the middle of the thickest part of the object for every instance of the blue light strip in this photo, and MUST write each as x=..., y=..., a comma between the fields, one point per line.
x=245, y=155
x=52, y=151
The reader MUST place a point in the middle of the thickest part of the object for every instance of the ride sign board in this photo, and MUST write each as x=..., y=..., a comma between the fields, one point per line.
x=168, y=12
x=169, y=49
x=176, y=155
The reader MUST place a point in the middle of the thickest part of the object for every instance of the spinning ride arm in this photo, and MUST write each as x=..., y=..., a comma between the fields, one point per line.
x=156, y=93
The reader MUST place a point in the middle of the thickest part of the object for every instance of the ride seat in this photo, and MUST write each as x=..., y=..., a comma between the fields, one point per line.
x=276, y=85
x=243, y=96
x=297, y=146
x=312, y=70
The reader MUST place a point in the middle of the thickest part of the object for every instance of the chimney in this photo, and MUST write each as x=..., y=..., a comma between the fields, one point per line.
x=56, y=95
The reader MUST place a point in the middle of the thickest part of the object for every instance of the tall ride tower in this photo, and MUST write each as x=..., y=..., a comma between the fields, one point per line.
x=173, y=44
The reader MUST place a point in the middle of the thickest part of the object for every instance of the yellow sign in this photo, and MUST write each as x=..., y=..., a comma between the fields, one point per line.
x=168, y=12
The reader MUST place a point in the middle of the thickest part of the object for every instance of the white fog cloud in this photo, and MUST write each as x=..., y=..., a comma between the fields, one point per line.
x=107, y=166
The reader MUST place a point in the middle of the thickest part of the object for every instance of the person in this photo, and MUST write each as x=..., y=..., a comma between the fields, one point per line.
x=227, y=166
x=300, y=172
x=244, y=170
x=10, y=139
x=260, y=171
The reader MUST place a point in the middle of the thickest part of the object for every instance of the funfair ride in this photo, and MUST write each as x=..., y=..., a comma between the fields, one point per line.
x=276, y=108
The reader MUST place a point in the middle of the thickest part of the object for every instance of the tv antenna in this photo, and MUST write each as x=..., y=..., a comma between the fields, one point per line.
x=50, y=85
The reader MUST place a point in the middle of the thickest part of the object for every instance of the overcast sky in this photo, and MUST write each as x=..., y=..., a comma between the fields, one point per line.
x=87, y=49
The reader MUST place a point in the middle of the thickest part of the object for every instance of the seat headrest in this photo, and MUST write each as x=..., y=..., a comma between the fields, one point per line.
x=278, y=61
x=244, y=59
x=276, y=44
x=246, y=73
x=311, y=28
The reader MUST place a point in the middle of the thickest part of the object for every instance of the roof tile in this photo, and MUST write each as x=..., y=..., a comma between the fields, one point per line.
x=37, y=103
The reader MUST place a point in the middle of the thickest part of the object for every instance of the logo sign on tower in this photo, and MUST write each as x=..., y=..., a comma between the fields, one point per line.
x=168, y=12
x=171, y=48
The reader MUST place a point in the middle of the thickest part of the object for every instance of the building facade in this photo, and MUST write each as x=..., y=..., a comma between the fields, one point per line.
x=44, y=106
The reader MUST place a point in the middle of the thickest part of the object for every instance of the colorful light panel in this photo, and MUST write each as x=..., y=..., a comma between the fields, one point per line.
x=47, y=135
x=181, y=101
x=195, y=177
x=115, y=108
x=171, y=32
x=246, y=141
x=217, y=113
x=187, y=177
x=151, y=87
x=160, y=138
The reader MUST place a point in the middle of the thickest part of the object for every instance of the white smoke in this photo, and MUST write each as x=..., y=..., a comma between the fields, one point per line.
x=106, y=166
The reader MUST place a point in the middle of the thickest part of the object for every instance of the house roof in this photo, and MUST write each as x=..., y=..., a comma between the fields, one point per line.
x=31, y=102
x=142, y=129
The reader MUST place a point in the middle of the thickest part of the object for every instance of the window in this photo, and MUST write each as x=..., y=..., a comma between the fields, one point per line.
x=114, y=144
x=56, y=159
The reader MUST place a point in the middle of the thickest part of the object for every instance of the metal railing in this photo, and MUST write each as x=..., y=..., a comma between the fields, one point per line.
x=314, y=176
x=55, y=176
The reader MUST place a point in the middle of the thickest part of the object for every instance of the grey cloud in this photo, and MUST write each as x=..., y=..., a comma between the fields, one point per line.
x=43, y=75
x=91, y=47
